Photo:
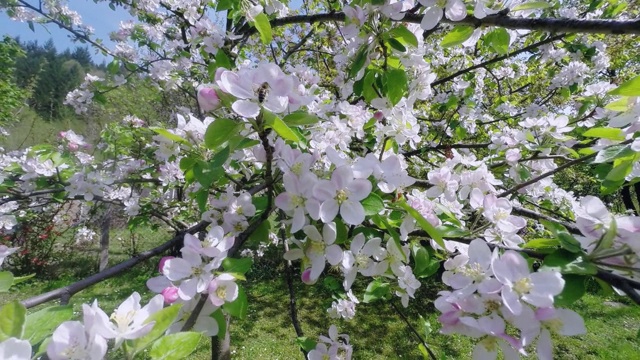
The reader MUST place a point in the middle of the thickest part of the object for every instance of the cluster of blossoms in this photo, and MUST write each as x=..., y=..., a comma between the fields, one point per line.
x=231, y=212
x=492, y=290
x=610, y=240
x=197, y=272
x=336, y=346
x=84, y=235
x=81, y=98
x=265, y=85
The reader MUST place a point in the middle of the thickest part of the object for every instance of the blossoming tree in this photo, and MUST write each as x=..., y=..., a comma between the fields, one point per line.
x=382, y=139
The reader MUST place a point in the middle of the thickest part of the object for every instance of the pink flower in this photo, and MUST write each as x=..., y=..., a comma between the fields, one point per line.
x=170, y=294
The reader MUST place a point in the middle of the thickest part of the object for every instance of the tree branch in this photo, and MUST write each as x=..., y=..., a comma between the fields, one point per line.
x=558, y=169
x=553, y=25
x=66, y=292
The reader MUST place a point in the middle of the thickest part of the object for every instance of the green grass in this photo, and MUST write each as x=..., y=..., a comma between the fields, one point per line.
x=377, y=332
x=30, y=129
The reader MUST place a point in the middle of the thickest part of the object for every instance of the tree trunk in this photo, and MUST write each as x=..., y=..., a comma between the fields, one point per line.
x=221, y=348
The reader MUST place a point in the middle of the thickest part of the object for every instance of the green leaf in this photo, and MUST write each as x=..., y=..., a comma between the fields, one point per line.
x=299, y=118
x=568, y=242
x=574, y=288
x=219, y=131
x=284, y=131
x=612, y=153
x=169, y=135
x=498, y=40
x=175, y=346
x=306, y=344
x=628, y=88
x=206, y=174
x=457, y=36
x=41, y=324
x=261, y=22
x=451, y=231
x=404, y=35
x=532, y=5
x=358, y=62
x=163, y=319
x=621, y=104
x=6, y=280
x=605, y=133
x=239, y=306
x=397, y=45
x=568, y=263
x=42, y=348
x=222, y=60
x=220, y=158
x=396, y=85
x=240, y=266
x=620, y=171
x=12, y=319
x=372, y=204
x=114, y=67
x=424, y=266
x=261, y=234
x=423, y=223
x=219, y=317
x=376, y=290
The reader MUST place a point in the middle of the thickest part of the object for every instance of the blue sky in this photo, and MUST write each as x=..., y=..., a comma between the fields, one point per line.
x=100, y=16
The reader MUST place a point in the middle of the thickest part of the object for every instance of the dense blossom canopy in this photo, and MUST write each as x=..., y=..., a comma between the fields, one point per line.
x=373, y=139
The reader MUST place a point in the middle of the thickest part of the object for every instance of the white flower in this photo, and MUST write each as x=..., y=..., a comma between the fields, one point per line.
x=342, y=194
x=15, y=349
x=128, y=321
x=453, y=9
x=70, y=341
x=6, y=251
x=538, y=288
x=223, y=289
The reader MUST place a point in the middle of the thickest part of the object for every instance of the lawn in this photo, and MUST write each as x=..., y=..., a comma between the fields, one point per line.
x=377, y=332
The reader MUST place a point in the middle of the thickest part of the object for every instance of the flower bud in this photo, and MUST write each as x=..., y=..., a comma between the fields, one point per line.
x=162, y=261
x=170, y=294
x=208, y=99
x=306, y=277
x=378, y=115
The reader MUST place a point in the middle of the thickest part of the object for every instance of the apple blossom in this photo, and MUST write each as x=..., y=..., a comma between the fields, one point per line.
x=342, y=194
x=15, y=349
x=71, y=341
x=518, y=283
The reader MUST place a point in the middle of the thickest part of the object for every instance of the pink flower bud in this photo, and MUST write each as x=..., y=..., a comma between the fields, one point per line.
x=73, y=146
x=208, y=99
x=306, y=277
x=162, y=261
x=62, y=134
x=170, y=294
x=378, y=115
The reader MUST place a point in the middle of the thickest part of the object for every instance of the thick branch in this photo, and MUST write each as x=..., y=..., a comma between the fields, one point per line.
x=66, y=292
x=547, y=24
